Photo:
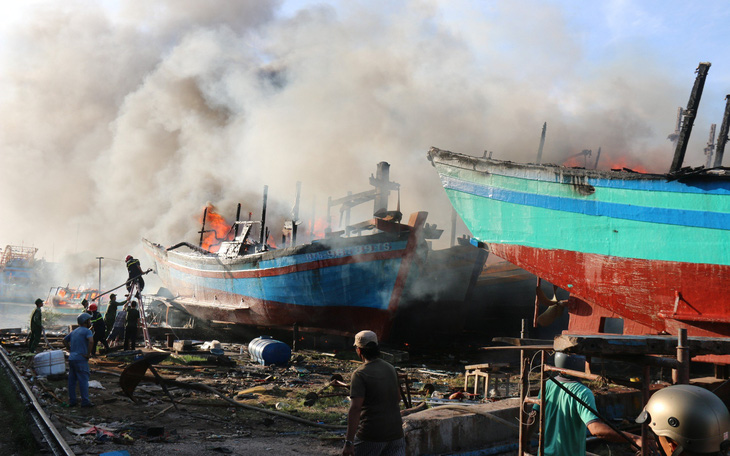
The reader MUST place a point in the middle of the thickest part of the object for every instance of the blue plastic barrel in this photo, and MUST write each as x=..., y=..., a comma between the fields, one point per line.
x=267, y=351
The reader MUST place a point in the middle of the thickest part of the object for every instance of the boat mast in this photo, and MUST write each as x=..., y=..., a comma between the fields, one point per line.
x=295, y=215
x=263, y=215
x=382, y=183
x=722, y=138
x=542, y=143
x=689, y=116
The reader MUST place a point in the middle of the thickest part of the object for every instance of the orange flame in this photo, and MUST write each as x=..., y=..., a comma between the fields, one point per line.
x=624, y=162
x=217, y=230
x=270, y=241
x=318, y=228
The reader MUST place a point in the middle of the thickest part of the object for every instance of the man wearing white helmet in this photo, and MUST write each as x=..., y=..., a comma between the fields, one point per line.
x=79, y=343
x=688, y=421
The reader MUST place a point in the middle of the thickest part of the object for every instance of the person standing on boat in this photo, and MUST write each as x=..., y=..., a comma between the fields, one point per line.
x=79, y=343
x=566, y=419
x=374, y=424
x=98, y=327
x=130, y=327
x=111, y=313
x=135, y=275
x=36, y=326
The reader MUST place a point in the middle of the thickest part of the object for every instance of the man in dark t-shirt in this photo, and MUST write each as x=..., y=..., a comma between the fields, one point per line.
x=375, y=408
x=130, y=327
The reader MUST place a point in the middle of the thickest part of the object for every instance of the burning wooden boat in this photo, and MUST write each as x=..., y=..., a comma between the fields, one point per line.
x=349, y=280
x=67, y=301
x=341, y=284
x=651, y=251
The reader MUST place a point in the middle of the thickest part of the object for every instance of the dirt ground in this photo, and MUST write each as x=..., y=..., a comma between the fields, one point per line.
x=200, y=422
x=203, y=423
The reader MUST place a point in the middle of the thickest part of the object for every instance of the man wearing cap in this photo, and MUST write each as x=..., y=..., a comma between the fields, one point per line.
x=374, y=425
x=36, y=326
x=79, y=343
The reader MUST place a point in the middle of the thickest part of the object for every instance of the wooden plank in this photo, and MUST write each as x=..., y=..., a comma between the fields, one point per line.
x=522, y=347
x=606, y=344
x=520, y=341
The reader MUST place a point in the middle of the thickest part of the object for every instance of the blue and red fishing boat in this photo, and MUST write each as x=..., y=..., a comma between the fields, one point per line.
x=642, y=253
x=646, y=248
x=342, y=282
x=334, y=285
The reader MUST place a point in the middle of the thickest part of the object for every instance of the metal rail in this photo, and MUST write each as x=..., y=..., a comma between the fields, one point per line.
x=52, y=439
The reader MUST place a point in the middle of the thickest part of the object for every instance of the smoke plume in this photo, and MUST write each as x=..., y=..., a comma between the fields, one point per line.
x=121, y=123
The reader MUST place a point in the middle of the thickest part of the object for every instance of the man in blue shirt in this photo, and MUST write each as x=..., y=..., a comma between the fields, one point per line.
x=79, y=343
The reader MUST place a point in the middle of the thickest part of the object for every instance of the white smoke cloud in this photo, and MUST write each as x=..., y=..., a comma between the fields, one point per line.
x=121, y=123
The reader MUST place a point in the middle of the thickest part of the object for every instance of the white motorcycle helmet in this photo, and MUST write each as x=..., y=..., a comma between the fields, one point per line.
x=693, y=417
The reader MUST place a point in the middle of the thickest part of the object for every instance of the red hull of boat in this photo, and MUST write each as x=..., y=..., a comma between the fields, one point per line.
x=650, y=296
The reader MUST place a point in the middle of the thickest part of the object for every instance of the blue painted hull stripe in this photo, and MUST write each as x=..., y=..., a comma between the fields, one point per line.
x=697, y=219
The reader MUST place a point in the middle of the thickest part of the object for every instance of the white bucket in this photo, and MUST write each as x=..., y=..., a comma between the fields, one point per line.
x=49, y=363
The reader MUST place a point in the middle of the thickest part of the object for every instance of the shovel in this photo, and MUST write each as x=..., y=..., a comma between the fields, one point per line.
x=336, y=381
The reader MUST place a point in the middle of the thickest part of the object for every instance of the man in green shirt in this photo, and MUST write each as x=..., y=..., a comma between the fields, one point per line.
x=111, y=313
x=375, y=404
x=36, y=326
x=566, y=419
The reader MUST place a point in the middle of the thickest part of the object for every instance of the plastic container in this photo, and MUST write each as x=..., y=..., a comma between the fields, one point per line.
x=268, y=351
x=49, y=363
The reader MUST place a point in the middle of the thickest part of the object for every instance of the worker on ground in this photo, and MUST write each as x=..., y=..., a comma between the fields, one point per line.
x=374, y=425
x=135, y=275
x=566, y=418
x=36, y=326
x=688, y=421
x=98, y=327
x=117, y=334
x=79, y=343
x=130, y=327
x=111, y=313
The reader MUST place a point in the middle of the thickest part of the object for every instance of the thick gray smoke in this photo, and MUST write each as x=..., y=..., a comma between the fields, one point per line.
x=124, y=123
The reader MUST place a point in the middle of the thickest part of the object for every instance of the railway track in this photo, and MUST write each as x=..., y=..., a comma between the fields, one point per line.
x=50, y=439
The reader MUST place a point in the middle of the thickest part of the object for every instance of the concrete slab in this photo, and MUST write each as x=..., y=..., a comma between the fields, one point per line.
x=442, y=430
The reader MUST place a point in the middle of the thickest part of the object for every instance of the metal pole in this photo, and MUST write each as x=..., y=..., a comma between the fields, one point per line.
x=681, y=374
x=523, y=392
x=99, y=258
x=645, y=396
x=524, y=386
x=543, y=384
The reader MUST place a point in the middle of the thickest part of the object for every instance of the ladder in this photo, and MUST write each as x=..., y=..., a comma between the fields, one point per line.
x=134, y=293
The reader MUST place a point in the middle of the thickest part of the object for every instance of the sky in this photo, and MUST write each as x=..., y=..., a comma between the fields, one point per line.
x=123, y=119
